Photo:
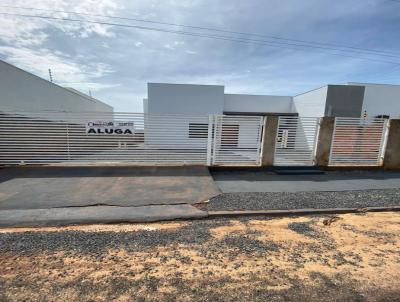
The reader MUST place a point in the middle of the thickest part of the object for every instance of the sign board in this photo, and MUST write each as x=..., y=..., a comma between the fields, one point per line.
x=110, y=128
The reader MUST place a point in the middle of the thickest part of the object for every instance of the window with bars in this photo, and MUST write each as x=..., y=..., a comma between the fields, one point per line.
x=198, y=130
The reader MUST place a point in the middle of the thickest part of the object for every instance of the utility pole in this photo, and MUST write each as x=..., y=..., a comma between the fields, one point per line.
x=50, y=76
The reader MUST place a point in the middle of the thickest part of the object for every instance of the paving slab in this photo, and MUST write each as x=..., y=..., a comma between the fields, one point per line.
x=53, y=187
x=233, y=181
x=96, y=214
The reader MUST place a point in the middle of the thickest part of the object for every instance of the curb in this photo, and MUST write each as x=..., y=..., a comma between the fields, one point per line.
x=97, y=215
x=297, y=212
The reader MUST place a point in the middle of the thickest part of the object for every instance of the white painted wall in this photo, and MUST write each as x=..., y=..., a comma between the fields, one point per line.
x=23, y=91
x=185, y=99
x=312, y=103
x=258, y=103
x=380, y=99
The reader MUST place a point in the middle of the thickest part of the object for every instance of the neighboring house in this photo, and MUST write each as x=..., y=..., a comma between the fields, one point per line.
x=380, y=99
x=23, y=91
x=351, y=100
x=42, y=121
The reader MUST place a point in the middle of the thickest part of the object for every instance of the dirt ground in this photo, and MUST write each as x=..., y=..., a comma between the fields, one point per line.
x=352, y=257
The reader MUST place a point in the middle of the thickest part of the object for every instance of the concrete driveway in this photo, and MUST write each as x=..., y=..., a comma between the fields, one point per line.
x=53, y=187
x=63, y=195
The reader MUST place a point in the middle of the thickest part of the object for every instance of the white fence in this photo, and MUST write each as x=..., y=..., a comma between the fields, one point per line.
x=134, y=138
x=215, y=140
x=296, y=141
x=358, y=142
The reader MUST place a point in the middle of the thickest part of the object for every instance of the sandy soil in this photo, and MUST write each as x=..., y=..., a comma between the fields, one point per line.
x=355, y=258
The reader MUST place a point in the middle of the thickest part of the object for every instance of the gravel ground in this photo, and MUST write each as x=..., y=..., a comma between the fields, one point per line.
x=356, y=258
x=303, y=200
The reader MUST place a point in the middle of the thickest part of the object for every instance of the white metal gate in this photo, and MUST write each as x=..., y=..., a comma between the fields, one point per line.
x=237, y=140
x=134, y=138
x=296, y=141
x=358, y=142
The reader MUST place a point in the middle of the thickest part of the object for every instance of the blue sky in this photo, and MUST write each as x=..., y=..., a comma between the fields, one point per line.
x=116, y=63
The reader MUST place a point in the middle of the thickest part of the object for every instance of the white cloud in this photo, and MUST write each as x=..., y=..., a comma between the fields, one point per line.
x=174, y=45
x=30, y=31
x=24, y=40
x=65, y=69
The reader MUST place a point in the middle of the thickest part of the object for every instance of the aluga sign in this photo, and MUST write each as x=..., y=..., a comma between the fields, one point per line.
x=110, y=127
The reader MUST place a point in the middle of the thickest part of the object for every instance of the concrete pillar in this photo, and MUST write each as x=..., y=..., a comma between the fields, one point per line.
x=392, y=154
x=324, y=141
x=269, y=139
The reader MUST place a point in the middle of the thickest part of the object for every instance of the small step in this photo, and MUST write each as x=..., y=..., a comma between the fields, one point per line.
x=298, y=171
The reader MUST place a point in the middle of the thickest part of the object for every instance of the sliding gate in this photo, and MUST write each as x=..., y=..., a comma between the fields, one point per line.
x=128, y=138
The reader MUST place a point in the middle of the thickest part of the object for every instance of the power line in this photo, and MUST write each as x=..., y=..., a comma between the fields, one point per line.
x=311, y=43
x=385, y=73
x=217, y=37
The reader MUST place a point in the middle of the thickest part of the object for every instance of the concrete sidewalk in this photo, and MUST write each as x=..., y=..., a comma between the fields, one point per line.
x=231, y=181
